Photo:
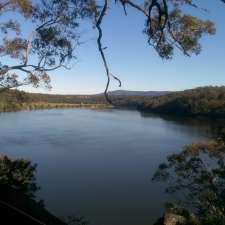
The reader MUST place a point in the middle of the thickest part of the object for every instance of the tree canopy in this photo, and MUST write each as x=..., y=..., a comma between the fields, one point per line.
x=49, y=45
x=202, y=186
x=198, y=174
x=54, y=34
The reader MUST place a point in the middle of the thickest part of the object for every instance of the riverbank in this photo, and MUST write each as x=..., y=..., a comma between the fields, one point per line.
x=12, y=107
x=204, y=101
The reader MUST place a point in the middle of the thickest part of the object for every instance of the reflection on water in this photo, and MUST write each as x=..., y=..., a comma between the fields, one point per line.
x=99, y=163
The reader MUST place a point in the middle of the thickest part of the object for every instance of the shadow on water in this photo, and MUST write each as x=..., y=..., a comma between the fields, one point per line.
x=210, y=126
x=187, y=120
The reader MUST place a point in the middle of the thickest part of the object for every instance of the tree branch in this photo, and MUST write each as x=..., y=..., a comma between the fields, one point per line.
x=101, y=50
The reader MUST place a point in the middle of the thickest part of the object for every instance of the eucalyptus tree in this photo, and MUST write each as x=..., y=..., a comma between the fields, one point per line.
x=166, y=25
x=28, y=57
x=197, y=174
x=54, y=34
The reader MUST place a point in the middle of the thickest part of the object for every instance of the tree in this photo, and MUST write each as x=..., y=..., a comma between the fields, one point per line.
x=198, y=173
x=18, y=200
x=18, y=174
x=50, y=44
x=55, y=37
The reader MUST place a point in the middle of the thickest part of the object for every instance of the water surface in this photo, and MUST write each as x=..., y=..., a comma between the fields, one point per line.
x=99, y=164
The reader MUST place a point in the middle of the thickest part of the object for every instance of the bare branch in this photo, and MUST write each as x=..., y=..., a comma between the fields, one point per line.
x=101, y=49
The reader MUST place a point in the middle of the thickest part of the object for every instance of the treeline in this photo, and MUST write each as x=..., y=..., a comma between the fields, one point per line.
x=203, y=101
x=14, y=100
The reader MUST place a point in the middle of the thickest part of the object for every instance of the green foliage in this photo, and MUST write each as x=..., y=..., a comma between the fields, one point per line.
x=205, y=101
x=55, y=35
x=18, y=188
x=200, y=101
x=168, y=28
x=51, y=42
x=18, y=174
x=198, y=172
x=17, y=100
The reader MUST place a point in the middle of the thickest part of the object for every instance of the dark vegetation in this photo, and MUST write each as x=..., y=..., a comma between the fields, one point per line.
x=204, y=101
x=16, y=100
x=198, y=174
x=52, y=42
x=18, y=189
x=18, y=201
x=207, y=101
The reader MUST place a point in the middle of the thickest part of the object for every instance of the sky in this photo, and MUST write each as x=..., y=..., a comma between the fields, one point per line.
x=136, y=63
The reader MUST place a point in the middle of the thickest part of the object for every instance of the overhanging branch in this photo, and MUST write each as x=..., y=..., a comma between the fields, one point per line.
x=101, y=50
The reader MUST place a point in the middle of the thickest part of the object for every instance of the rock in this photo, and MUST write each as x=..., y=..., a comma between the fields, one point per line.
x=174, y=219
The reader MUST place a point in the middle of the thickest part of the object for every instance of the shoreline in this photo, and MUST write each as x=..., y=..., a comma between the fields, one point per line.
x=17, y=107
x=43, y=105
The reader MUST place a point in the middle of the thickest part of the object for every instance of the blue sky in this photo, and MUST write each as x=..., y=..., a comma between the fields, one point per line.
x=137, y=64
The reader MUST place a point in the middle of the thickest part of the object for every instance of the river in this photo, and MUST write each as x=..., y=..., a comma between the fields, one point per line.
x=99, y=163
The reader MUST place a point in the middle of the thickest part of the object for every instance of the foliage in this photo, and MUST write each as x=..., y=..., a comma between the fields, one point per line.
x=18, y=174
x=55, y=35
x=13, y=100
x=167, y=28
x=50, y=44
x=203, y=101
x=18, y=187
x=200, y=101
x=198, y=173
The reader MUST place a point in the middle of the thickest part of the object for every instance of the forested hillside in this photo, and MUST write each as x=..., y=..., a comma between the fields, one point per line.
x=204, y=101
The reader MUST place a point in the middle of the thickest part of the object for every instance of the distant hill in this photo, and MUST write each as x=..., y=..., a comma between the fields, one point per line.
x=138, y=93
x=202, y=101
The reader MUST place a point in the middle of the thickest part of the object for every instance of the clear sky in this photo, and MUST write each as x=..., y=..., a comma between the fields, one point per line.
x=137, y=64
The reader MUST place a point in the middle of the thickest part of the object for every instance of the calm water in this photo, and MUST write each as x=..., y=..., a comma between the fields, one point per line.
x=98, y=163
